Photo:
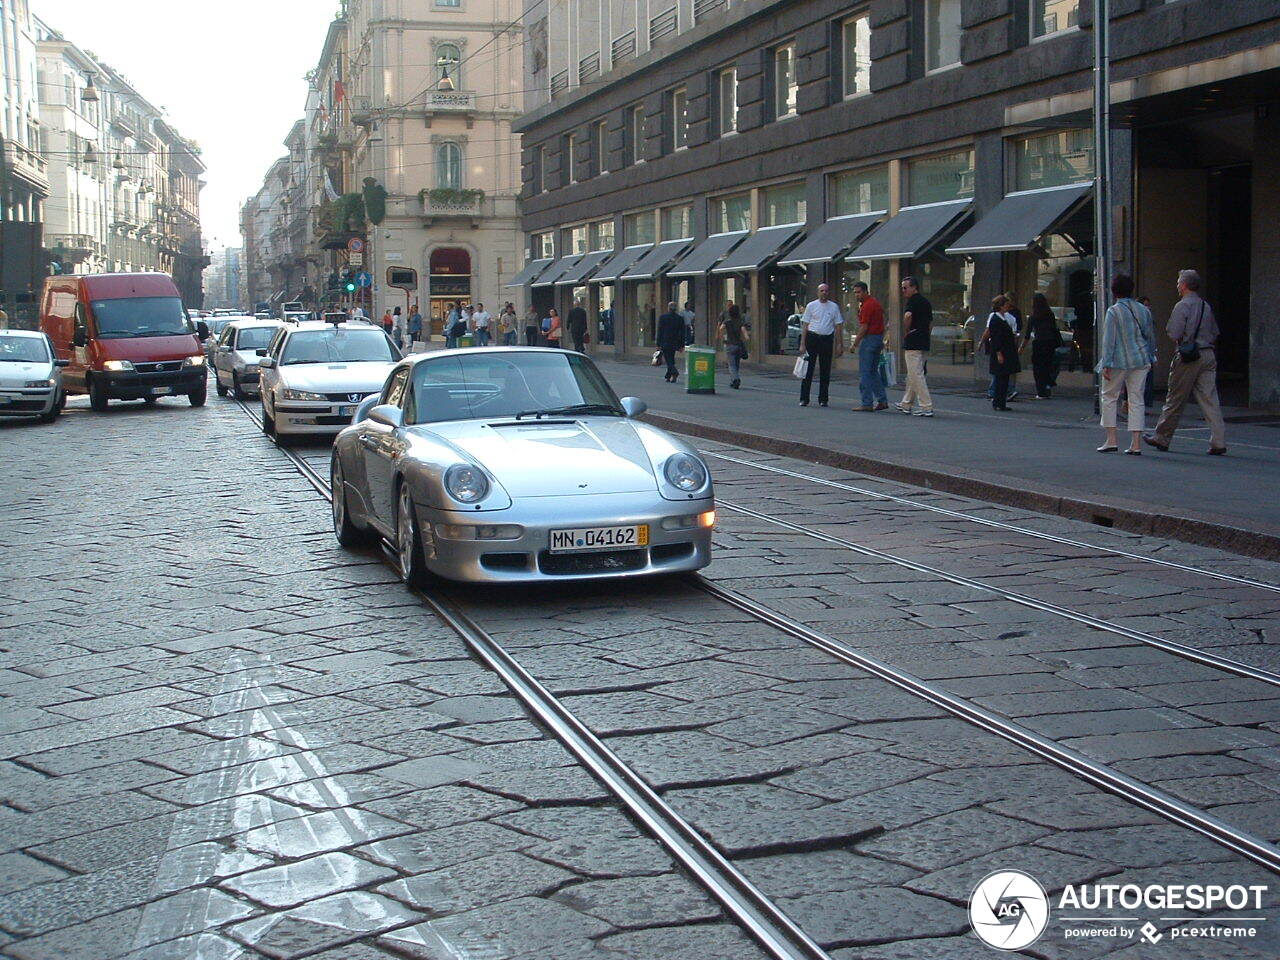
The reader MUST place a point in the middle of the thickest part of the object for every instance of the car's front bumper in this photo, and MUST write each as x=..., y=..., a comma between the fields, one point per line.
x=529, y=558
x=313, y=416
x=135, y=386
x=26, y=402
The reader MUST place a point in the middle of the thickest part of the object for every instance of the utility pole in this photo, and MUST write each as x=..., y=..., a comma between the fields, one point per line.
x=1101, y=171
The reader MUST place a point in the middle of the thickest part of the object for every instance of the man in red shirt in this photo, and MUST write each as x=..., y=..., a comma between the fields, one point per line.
x=869, y=342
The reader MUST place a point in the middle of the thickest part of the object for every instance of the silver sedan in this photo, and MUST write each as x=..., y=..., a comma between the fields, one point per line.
x=503, y=465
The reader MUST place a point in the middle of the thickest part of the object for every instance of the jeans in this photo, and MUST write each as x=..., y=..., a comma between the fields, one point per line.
x=1000, y=391
x=482, y=336
x=870, y=383
x=450, y=341
x=820, y=347
x=509, y=338
x=733, y=353
x=917, y=389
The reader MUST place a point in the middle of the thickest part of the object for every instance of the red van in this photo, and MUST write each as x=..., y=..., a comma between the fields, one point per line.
x=126, y=335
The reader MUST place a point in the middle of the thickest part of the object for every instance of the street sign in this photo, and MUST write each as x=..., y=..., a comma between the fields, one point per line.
x=355, y=259
x=364, y=279
x=405, y=278
x=355, y=245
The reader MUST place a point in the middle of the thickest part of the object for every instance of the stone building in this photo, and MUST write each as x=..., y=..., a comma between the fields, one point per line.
x=710, y=150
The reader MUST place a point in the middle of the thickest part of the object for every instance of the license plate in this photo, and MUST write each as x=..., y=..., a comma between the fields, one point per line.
x=161, y=391
x=599, y=538
x=346, y=411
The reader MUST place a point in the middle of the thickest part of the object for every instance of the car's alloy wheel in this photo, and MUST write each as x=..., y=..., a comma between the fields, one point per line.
x=408, y=545
x=348, y=534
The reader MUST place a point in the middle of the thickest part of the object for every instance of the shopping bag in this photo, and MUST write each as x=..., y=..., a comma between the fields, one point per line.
x=889, y=368
x=801, y=369
x=657, y=358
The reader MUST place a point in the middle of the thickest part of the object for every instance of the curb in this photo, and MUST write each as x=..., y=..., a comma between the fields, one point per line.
x=1200, y=530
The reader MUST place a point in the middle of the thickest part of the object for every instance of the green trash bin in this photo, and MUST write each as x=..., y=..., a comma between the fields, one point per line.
x=700, y=370
x=467, y=340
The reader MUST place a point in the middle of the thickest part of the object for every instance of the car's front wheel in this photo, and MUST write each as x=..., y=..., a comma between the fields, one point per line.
x=349, y=535
x=97, y=395
x=268, y=422
x=413, y=568
x=199, y=395
x=217, y=384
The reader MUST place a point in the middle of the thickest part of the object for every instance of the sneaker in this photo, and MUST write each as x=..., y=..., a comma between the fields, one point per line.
x=1013, y=395
x=923, y=413
x=902, y=408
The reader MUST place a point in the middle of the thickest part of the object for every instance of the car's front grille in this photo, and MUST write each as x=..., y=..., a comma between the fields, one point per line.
x=161, y=367
x=332, y=421
x=504, y=561
x=345, y=397
x=670, y=551
x=606, y=561
x=24, y=406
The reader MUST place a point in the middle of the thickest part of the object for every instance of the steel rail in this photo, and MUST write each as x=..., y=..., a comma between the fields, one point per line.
x=1151, y=798
x=745, y=903
x=1203, y=657
x=1026, y=531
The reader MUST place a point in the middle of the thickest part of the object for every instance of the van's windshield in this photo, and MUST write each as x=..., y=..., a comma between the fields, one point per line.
x=140, y=317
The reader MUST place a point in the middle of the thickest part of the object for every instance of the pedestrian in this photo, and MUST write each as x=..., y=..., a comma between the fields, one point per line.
x=507, y=325
x=917, y=319
x=531, y=326
x=455, y=326
x=1126, y=350
x=606, y=326
x=468, y=318
x=689, y=317
x=869, y=342
x=357, y=313
x=480, y=320
x=1014, y=317
x=398, y=327
x=735, y=344
x=670, y=337
x=578, y=325
x=551, y=327
x=821, y=334
x=1041, y=331
x=1002, y=344
x=415, y=326
x=387, y=322
x=1193, y=327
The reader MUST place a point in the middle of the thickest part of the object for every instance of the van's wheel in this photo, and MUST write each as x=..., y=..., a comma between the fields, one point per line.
x=413, y=568
x=150, y=401
x=199, y=395
x=97, y=396
x=217, y=385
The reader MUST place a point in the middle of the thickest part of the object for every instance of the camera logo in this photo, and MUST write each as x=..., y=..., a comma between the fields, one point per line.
x=1009, y=910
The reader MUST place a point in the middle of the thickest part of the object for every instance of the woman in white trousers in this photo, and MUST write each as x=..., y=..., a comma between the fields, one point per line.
x=1126, y=350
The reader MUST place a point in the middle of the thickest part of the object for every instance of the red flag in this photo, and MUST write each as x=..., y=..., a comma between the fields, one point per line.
x=339, y=92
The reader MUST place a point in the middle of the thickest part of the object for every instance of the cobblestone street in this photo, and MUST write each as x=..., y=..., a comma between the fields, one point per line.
x=223, y=736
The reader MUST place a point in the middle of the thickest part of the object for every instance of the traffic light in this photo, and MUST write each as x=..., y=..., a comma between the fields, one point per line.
x=350, y=286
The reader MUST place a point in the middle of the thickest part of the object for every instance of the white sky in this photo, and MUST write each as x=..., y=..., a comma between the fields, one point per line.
x=229, y=73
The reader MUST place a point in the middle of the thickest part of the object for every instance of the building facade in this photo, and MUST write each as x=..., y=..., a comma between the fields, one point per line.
x=747, y=150
x=223, y=281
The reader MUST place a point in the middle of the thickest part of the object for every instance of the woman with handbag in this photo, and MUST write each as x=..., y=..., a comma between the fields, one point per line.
x=1002, y=344
x=735, y=344
x=1126, y=350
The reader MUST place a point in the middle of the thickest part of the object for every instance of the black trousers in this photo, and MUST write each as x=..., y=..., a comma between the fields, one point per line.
x=1000, y=391
x=530, y=336
x=579, y=340
x=669, y=355
x=1042, y=361
x=820, y=347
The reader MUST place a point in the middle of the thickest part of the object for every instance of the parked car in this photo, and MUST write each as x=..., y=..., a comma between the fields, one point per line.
x=314, y=374
x=515, y=464
x=126, y=335
x=30, y=376
x=234, y=355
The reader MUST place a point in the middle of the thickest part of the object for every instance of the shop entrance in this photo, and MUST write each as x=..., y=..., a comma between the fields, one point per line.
x=450, y=271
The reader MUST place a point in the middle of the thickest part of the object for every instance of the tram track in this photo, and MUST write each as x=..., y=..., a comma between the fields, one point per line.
x=748, y=906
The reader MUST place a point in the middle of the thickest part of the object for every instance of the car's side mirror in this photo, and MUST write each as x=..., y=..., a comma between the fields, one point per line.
x=634, y=406
x=80, y=338
x=267, y=362
x=367, y=404
x=202, y=330
x=61, y=363
x=387, y=414
x=262, y=352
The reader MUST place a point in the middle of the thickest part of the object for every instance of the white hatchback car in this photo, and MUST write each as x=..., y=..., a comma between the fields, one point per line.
x=30, y=376
x=234, y=358
x=315, y=374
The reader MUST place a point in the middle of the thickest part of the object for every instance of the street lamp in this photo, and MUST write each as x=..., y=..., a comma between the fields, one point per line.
x=90, y=93
x=90, y=155
x=445, y=83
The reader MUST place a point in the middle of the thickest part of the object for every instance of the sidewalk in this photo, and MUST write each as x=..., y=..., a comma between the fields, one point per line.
x=1038, y=456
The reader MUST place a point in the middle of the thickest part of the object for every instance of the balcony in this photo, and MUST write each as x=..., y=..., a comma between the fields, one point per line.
x=27, y=165
x=446, y=204
x=449, y=103
x=361, y=110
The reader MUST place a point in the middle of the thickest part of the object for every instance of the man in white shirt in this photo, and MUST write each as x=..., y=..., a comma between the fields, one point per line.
x=481, y=320
x=821, y=332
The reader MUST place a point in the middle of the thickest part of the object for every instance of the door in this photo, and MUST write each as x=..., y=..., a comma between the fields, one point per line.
x=270, y=376
x=380, y=446
x=223, y=357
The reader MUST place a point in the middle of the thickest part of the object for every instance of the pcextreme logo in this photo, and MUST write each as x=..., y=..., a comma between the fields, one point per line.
x=1009, y=910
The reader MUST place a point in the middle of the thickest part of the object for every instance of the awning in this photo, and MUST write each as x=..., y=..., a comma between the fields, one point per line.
x=911, y=232
x=1022, y=218
x=656, y=260
x=579, y=271
x=619, y=262
x=556, y=270
x=832, y=239
x=706, y=254
x=758, y=249
x=531, y=270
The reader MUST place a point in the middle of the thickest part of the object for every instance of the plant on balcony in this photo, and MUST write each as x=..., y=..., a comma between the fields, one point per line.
x=375, y=200
x=451, y=197
x=344, y=215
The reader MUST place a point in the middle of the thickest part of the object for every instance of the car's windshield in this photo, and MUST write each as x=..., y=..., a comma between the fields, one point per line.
x=255, y=338
x=338, y=345
x=23, y=349
x=140, y=317
x=533, y=383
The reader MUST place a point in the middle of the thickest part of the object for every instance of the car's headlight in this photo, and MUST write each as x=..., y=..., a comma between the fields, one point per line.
x=117, y=366
x=685, y=472
x=302, y=395
x=462, y=531
x=196, y=361
x=42, y=384
x=465, y=483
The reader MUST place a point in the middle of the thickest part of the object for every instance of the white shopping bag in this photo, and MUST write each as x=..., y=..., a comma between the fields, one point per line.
x=801, y=369
x=889, y=368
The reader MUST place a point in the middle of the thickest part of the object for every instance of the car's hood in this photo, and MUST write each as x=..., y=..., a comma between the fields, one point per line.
x=245, y=358
x=590, y=456
x=17, y=374
x=336, y=377
x=149, y=349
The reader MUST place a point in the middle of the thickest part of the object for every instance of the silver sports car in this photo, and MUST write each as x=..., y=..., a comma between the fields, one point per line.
x=508, y=464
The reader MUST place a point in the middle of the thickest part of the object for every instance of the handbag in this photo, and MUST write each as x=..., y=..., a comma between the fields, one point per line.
x=801, y=369
x=1190, y=352
x=657, y=358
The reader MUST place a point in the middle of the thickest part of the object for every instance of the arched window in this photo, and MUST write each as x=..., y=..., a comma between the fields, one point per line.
x=449, y=64
x=449, y=166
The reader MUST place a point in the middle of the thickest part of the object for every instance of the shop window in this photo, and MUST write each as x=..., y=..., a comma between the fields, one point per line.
x=727, y=100
x=449, y=166
x=542, y=246
x=601, y=235
x=677, y=222
x=731, y=213
x=640, y=227
x=1062, y=269
x=784, y=81
x=1053, y=16
x=785, y=297
x=860, y=191
x=575, y=240
x=1053, y=159
x=855, y=55
x=874, y=274
x=678, y=118
x=947, y=283
x=941, y=33
x=941, y=178
x=643, y=314
x=784, y=203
